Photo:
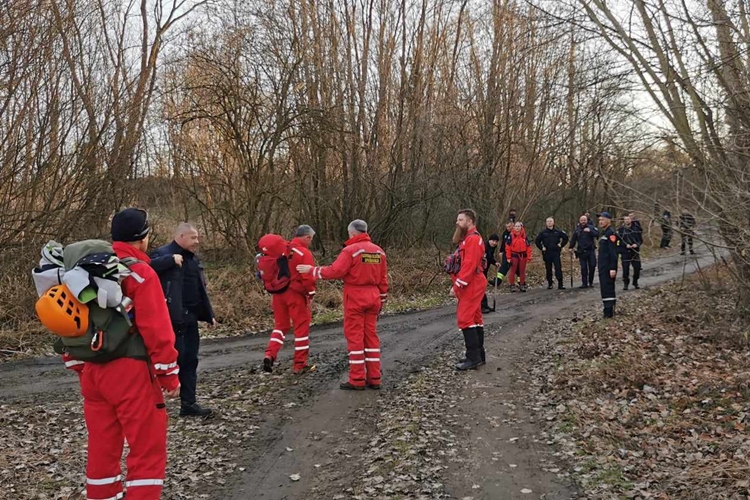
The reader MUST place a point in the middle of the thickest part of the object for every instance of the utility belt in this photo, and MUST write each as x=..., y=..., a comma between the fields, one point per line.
x=581, y=252
x=518, y=255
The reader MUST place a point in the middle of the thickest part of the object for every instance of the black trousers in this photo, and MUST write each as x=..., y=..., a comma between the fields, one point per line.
x=687, y=237
x=504, y=266
x=666, y=237
x=187, y=342
x=553, y=259
x=631, y=259
x=607, y=289
x=587, y=259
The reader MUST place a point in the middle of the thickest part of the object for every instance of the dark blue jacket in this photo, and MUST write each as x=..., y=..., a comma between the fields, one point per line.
x=586, y=241
x=609, y=245
x=171, y=276
x=551, y=240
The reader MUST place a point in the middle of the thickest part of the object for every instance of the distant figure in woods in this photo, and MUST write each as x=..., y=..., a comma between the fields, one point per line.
x=687, y=231
x=666, y=229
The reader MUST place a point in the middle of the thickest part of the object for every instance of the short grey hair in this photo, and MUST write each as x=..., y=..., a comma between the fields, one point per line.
x=304, y=230
x=185, y=227
x=357, y=225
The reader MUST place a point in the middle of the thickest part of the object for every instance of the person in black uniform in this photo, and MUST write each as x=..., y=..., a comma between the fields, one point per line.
x=585, y=236
x=512, y=215
x=608, y=245
x=551, y=241
x=184, y=285
x=489, y=250
x=666, y=229
x=504, y=264
x=631, y=240
x=687, y=231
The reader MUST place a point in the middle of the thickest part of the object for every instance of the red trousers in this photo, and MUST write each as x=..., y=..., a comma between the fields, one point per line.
x=291, y=308
x=361, y=308
x=517, y=266
x=122, y=401
x=469, y=311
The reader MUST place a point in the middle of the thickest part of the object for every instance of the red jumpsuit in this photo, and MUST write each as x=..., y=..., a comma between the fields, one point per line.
x=363, y=267
x=293, y=307
x=122, y=399
x=470, y=283
x=518, y=251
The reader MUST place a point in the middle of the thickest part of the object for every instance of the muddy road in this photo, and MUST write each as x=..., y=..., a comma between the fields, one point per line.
x=494, y=450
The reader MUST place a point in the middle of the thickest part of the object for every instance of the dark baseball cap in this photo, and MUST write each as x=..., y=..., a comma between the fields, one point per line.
x=606, y=215
x=130, y=224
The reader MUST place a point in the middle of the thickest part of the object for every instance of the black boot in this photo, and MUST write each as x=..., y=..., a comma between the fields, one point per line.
x=549, y=286
x=635, y=285
x=627, y=284
x=480, y=337
x=560, y=285
x=609, y=312
x=473, y=353
x=194, y=410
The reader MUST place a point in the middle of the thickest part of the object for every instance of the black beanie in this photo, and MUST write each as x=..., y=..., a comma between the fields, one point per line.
x=129, y=225
x=494, y=237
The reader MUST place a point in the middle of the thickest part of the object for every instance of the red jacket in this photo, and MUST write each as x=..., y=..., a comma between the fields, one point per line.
x=519, y=243
x=361, y=262
x=300, y=254
x=471, y=249
x=151, y=315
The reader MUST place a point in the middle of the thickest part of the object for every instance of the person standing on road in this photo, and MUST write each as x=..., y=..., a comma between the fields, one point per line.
x=466, y=269
x=184, y=285
x=292, y=307
x=551, y=241
x=687, y=231
x=122, y=398
x=504, y=262
x=631, y=239
x=519, y=254
x=608, y=250
x=666, y=229
x=363, y=268
x=585, y=236
x=489, y=249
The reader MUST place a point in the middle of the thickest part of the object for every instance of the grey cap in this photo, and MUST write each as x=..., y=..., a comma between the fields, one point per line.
x=358, y=225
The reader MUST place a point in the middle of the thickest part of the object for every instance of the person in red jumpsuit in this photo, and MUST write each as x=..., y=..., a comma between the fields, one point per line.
x=122, y=398
x=469, y=285
x=518, y=251
x=292, y=307
x=363, y=268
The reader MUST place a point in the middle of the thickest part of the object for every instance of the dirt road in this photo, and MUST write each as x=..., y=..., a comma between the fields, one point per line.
x=473, y=434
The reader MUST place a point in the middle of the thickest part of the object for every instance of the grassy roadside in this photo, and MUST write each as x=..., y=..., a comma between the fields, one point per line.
x=656, y=403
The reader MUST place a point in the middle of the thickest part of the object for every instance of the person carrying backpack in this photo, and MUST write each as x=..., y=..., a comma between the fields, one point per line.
x=122, y=382
x=519, y=252
x=363, y=267
x=292, y=305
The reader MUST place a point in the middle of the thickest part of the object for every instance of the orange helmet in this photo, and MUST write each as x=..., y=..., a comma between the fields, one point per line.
x=62, y=313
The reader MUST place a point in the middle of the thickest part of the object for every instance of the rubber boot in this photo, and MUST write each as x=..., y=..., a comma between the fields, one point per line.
x=609, y=311
x=473, y=354
x=480, y=336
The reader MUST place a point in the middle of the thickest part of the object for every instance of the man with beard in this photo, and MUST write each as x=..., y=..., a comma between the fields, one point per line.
x=466, y=267
x=630, y=249
x=585, y=236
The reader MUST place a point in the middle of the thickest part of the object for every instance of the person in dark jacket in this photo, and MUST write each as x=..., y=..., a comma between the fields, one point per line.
x=551, y=242
x=512, y=215
x=687, y=231
x=609, y=244
x=504, y=267
x=666, y=229
x=585, y=236
x=184, y=285
x=631, y=238
x=636, y=223
x=489, y=251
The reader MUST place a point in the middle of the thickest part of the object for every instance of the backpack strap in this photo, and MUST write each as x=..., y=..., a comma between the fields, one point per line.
x=129, y=262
